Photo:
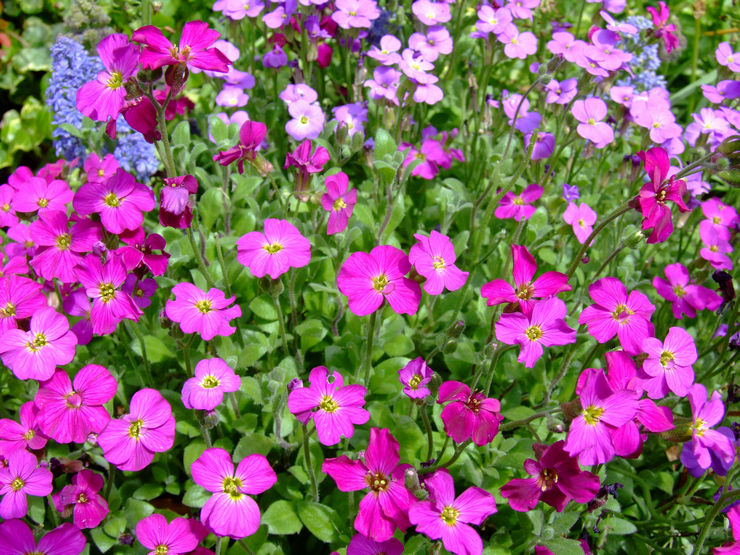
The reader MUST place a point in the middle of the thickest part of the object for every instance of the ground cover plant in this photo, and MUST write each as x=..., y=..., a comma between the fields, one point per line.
x=366, y=277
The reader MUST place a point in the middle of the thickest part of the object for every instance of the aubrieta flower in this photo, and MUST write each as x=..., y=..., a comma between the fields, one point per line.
x=130, y=442
x=685, y=297
x=589, y=113
x=431, y=13
x=448, y=518
x=140, y=290
x=661, y=28
x=491, y=20
x=562, y=92
x=88, y=507
x=339, y=202
x=20, y=298
x=176, y=205
x=557, y=479
x=42, y=196
x=519, y=206
x=367, y=279
x=360, y=545
x=669, y=364
x=726, y=57
x=518, y=45
x=16, y=538
x=384, y=84
x=470, y=415
x=306, y=162
x=299, y=91
x=307, y=122
x=384, y=507
x=335, y=408
x=436, y=41
x=230, y=511
x=733, y=515
x=387, y=51
x=178, y=537
x=434, y=258
x=138, y=252
x=544, y=145
x=20, y=477
x=24, y=434
x=251, y=135
x=716, y=240
x=275, y=251
x=213, y=378
x=69, y=411
x=415, y=376
x=655, y=194
x=36, y=353
x=206, y=313
x=581, y=218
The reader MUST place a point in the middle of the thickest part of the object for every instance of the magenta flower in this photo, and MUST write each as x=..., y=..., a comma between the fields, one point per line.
x=77, y=303
x=213, y=378
x=230, y=511
x=360, y=545
x=275, y=251
x=719, y=213
x=20, y=298
x=660, y=27
x=367, y=279
x=536, y=326
x=525, y=288
x=130, y=442
x=104, y=97
x=519, y=206
x=470, y=415
x=176, y=205
x=338, y=202
x=88, y=507
x=180, y=536
x=120, y=201
x=603, y=410
x=589, y=113
x=434, y=258
x=138, y=253
x=557, y=480
x=208, y=314
x=733, y=515
x=655, y=195
x=415, y=376
x=192, y=51
x=21, y=476
x=716, y=241
x=7, y=214
x=42, y=196
x=582, y=218
x=448, y=518
x=335, y=408
x=16, y=538
x=35, y=354
x=15, y=436
x=614, y=312
x=685, y=296
x=669, y=364
x=355, y=13
x=140, y=290
x=306, y=163
x=69, y=411
x=251, y=135
x=385, y=505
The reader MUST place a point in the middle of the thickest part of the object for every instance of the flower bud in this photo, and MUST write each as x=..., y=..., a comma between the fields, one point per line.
x=450, y=347
x=635, y=239
x=456, y=329
x=209, y=419
x=555, y=424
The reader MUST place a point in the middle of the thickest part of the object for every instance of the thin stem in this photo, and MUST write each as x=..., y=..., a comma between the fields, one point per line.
x=561, y=373
x=525, y=421
x=206, y=434
x=369, y=347
x=309, y=466
x=235, y=405
x=186, y=356
x=53, y=511
x=281, y=322
x=458, y=451
x=199, y=259
x=428, y=427
x=147, y=366
x=294, y=319
x=718, y=506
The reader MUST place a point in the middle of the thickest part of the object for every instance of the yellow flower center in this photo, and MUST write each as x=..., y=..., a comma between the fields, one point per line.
x=39, y=341
x=107, y=292
x=547, y=479
x=533, y=333
x=204, y=306
x=82, y=498
x=377, y=481
x=231, y=486
x=591, y=121
x=328, y=404
x=679, y=291
x=717, y=220
x=273, y=248
x=439, y=263
x=666, y=357
x=622, y=313
x=699, y=427
x=111, y=200
x=63, y=241
x=518, y=201
x=524, y=291
x=415, y=381
x=592, y=414
x=714, y=248
x=339, y=204
x=8, y=310
x=581, y=223
x=380, y=282
x=6, y=207
x=134, y=430
x=43, y=202
x=115, y=81
x=17, y=484
x=449, y=515
x=29, y=435
x=209, y=382
x=303, y=120
x=161, y=549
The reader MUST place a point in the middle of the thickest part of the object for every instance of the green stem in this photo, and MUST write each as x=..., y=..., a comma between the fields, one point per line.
x=147, y=366
x=368, y=362
x=561, y=373
x=206, y=434
x=428, y=427
x=281, y=322
x=718, y=506
x=309, y=466
x=458, y=451
x=199, y=259
x=525, y=421
x=53, y=511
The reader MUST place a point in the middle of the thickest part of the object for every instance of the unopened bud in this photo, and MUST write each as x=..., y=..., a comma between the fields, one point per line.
x=295, y=383
x=210, y=419
x=273, y=286
x=450, y=347
x=176, y=76
x=555, y=425
x=635, y=239
x=456, y=329
x=411, y=481
x=262, y=166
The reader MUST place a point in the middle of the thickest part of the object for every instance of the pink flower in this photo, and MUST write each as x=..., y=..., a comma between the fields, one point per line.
x=614, y=312
x=434, y=258
x=130, y=442
x=668, y=366
x=536, y=326
x=16, y=538
x=385, y=505
x=355, y=13
x=525, y=288
x=518, y=45
x=180, y=536
x=98, y=169
x=589, y=113
x=138, y=253
x=448, y=518
x=733, y=515
x=192, y=51
x=716, y=241
x=367, y=279
x=251, y=135
x=655, y=195
x=335, y=408
x=275, y=251
x=686, y=297
x=306, y=163
x=88, y=506
x=21, y=477
x=7, y=214
x=230, y=511
x=104, y=97
x=20, y=298
x=360, y=545
x=518, y=206
x=40, y=196
x=470, y=415
x=660, y=29
x=176, y=206
x=582, y=218
x=196, y=311
x=120, y=201
x=415, y=376
x=15, y=436
x=69, y=411
x=719, y=213
x=213, y=378
x=557, y=480
x=36, y=353
x=338, y=202
x=77, y=303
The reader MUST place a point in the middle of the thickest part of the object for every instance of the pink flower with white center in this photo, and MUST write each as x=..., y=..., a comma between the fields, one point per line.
x=16, y=538
x=589, y=113
x=415, y=376
x=15, y=436
x=230, y=511
x=519, y=206
x=603, y=410
x=208, y=314
x=719, y=213
x=434, y=258
x=88, y=506
x=368, y=279
x=35, y=354
x=213, y=378
x=355, y=13
x=669, y=364
x=518, y=45
x=581, y=218
x=104, y=97
x=130, y=442
x=387, y=52
x=431, y=13
x=275, y=251
x=385, y=505
x=536, y=326
x=686, y=297
x=360, y=545
x=492, y=20
x=470, y=415
x=716, y=241
x=120, y=201
x=308, y=120
x=448, y=518
x=180, y=536
x=21, y=476
x=20, y=298
x=614, y=312
x=726, y=57
x=40, y=196
x=69, y=411
x=338, y=202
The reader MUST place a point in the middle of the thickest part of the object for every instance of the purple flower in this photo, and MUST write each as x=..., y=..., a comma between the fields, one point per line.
x=300, y=91
x=562, y=92
x=386, y=53
x=192, y=51
x=518, y=206
x=384, y=84
x=518, y=45
x=543, y=146
x=232, y=96
x=590, y=112
x=570, y=192
x=437, y=41
x=307, y=122
x=24, y=434
x=275, y=58
x=355, y=13
x=414, y=377
x=431, y=13
x=492, y=20
x=339, y=202
x=470, y=415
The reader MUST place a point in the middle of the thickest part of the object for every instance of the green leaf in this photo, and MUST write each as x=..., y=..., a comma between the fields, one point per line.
x=253, y=443
x=196, y=496
x=384, y=144
x=102, y=540
x=36, y=508
x=148, y=492
x=136, y=510
x=192, y=451
x=211, y=206
x=311, y=332
x=322, y=521
x=398, y=346
x=281, y=519
x=156, y=350
x=115, y=526
x=620, y=526
x=564, y=546
x=264, y=308
x=181, y=134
